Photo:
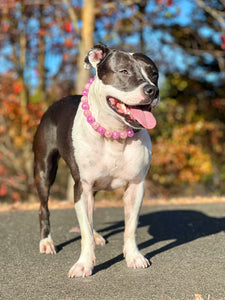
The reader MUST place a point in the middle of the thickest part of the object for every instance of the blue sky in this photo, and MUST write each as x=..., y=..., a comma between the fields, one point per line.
x=175, y=57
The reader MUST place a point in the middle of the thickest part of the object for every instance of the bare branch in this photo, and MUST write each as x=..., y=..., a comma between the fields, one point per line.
x=216, y=14
x=215, y=53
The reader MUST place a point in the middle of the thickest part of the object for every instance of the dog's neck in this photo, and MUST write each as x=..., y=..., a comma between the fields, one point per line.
x=101, y=119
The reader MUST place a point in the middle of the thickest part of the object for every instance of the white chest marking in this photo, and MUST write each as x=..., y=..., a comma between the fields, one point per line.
x=109, y=164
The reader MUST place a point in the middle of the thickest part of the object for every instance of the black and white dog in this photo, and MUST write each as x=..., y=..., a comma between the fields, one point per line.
x=102, y=137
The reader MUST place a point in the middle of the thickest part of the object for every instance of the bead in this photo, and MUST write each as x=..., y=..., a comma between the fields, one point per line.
x=101, y=130
x=115, y=135
x=108, y=133
x=87, y=113
x=84, y=99
x=123, y=134
x=130, y=132
x=91, y=80
x=95, y=125
x=87, y=86
x=85, y=92
x=85, y=106
x=90, y=119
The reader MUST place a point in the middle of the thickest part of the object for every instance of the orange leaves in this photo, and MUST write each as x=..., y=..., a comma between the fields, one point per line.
x=2, y=170
x=68, y=26
x=18, y=86
x=65, y=56
x=20, y=122
x=42, y=32
x=180, y=160
x=222, y=42
x=17, y=127
x=3, y=190
x=5, y=26
x=165, y=2
x=19, y=141
x=186, y=132
x=68, y=43
x=15, y=196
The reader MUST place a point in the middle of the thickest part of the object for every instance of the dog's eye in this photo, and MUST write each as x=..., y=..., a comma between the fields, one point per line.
x=125, y=72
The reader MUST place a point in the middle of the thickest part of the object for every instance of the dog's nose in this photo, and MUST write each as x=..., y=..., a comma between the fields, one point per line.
x=151, y=91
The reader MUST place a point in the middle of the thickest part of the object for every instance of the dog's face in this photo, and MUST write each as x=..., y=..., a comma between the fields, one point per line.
x=130, y=84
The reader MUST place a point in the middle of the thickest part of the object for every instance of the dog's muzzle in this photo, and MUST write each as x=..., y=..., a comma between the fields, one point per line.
x=137, y=116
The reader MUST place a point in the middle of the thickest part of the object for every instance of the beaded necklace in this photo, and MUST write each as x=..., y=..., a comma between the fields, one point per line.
x=95, y=125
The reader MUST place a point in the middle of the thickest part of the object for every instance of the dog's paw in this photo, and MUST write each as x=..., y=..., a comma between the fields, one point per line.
x=137, y=261
x=80, y=270
x=47, y=246
x=99, y=240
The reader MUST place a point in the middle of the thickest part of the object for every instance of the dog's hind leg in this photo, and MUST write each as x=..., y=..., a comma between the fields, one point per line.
x=45, y=168
x=99, y=240
x=45, y=172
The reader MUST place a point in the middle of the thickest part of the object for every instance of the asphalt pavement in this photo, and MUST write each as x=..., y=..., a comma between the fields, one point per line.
x=185, y=244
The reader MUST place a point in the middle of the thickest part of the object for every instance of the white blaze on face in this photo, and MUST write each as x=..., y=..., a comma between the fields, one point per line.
x=146, y=77
x=156, y=101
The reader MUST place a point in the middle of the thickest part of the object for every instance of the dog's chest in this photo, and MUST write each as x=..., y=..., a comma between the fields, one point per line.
x=110, y=165
x=108, y=171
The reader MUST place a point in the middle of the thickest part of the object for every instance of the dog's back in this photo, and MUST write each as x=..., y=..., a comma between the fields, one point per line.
x=53, y=138
x=62, y=111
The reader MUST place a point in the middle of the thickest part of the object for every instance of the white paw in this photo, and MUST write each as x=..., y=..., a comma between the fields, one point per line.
x=99, y=240
x=47, y=246
x=137, y=261
x=80, y=270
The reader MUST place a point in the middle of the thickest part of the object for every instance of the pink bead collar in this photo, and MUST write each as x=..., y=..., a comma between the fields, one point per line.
x=95, y=125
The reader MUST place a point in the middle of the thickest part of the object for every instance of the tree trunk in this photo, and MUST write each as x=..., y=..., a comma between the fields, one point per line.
x=142, y=7
x=24, y=95
x=42, y=87
x=86, y=42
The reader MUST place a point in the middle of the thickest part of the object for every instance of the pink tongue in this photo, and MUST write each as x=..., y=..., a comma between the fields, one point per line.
x=145, y=118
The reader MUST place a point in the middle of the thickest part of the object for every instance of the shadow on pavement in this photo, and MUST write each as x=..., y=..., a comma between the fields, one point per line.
x=62, y=245
x=181, y=226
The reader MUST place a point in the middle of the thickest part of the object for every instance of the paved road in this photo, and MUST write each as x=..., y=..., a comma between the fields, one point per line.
x=186, y=246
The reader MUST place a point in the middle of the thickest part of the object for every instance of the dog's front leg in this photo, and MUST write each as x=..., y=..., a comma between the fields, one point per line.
x=132, y=203
x=84, y=209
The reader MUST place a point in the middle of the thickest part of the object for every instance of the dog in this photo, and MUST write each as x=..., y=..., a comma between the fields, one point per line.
x=102, y=136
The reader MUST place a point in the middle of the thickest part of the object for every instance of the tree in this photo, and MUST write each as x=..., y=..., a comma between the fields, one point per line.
x=86, y=38
x=24, y=39
x=17, y=126
x=196, y=93
x=85, y=44
x=43, y=45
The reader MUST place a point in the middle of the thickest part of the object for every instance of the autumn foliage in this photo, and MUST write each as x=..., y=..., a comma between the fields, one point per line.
x=181, y=160
x=17, y=128
x=189, y=139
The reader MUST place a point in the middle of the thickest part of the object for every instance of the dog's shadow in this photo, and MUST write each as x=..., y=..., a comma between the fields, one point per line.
x=180, y=226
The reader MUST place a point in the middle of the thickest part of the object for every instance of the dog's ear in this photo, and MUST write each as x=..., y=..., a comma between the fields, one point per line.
x=95, y=55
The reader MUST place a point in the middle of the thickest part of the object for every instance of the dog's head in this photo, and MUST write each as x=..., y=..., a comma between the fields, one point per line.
x=130, y=83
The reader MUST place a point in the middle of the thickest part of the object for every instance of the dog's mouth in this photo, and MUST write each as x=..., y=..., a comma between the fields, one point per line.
x=138, y=116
